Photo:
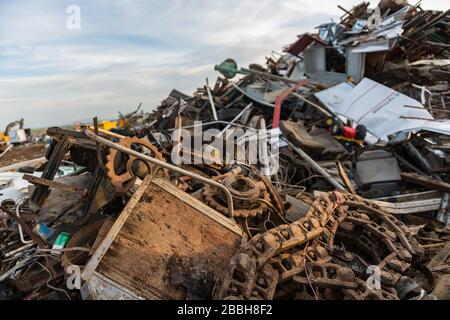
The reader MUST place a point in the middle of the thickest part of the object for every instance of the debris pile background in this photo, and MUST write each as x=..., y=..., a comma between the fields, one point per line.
x=359, y=109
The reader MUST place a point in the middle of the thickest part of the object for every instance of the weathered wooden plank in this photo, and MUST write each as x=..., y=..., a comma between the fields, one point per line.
x=171, y=246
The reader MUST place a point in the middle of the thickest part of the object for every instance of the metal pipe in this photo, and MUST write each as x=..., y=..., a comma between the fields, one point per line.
x=211, y=100
x=165, y=165
x=201, y=124
x=417, y=155
x=17, y=266
x=22, y=238
x=19, y=250
x=442, y=215
x=315, y=105
x=7, y=150
x=17, y=166
x=235, y=119
x=280, y=78
x=316, y=166
x=419, y=118
x=109, y=133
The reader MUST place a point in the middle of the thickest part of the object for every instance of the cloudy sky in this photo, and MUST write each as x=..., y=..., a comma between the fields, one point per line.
x=128, y=51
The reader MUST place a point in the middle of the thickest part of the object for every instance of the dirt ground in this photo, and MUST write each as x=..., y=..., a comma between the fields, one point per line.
x=22, y=153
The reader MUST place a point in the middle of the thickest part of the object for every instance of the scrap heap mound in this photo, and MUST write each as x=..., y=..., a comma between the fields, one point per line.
x=345, y=194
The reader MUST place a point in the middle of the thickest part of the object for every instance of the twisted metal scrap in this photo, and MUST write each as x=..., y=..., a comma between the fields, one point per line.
x=290, y=260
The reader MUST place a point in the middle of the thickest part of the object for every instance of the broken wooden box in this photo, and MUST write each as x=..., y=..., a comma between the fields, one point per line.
x=164, y=245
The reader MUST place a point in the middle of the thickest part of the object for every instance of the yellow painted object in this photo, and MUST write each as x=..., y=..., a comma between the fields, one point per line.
x=108, y=125
x=360, y=142
x=3, y=137
x=122, y=123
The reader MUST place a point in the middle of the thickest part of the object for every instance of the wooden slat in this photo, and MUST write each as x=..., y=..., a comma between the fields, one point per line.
x=170, y=246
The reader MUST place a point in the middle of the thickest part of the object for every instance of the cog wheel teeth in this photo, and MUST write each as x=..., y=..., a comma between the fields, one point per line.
x=208, y=196
x=122, y=183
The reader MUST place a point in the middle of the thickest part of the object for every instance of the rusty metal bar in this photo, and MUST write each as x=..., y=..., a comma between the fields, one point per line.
x=316, y=167
x=96, y=125
x=426, y=181
x=40, y=194
x=164, y=165
x=106, y=132
x=345, y=178
x=53, y=184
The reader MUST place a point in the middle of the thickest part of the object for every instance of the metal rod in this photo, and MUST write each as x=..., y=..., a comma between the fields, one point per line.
x=211, y=100
x=345, y=10
x=96, y=125
x=235, y=119
x=211, y=123
x=275, y=77
x=17, y=166
x=417, y=155
x=165, y=165
x=7, y=150
x=19, y=265
x=109, y=133
x=442, y=215
x=19, y=250
x=22, y=238
x=315, y=105
x=428, y=109
x=316, y=166
x=418, y=118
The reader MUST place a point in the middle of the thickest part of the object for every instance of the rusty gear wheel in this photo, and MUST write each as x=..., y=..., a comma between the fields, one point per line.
x=245, y=192
x=123, y=181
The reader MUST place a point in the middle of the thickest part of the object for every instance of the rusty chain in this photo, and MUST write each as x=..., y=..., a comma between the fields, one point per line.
x=302, y=261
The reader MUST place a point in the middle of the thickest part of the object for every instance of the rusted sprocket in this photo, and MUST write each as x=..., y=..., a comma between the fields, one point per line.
x=245, y=192
x=122, y=182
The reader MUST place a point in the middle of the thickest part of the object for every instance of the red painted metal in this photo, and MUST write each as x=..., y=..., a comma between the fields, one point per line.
x=279, y=100
x=349, y=133
x=303, y=42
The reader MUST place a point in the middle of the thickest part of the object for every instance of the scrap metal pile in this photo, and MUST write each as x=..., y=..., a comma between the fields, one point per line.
x=337, y=178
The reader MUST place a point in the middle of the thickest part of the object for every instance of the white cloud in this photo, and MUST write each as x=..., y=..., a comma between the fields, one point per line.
x=133, y=51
